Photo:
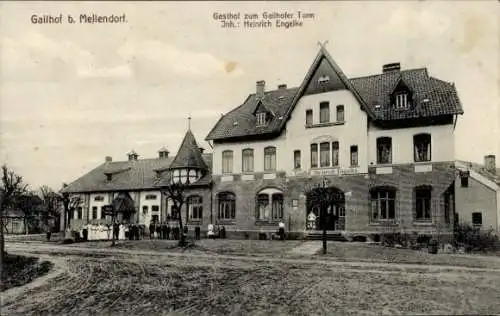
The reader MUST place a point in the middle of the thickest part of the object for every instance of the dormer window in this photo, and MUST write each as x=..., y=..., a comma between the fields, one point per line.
x=261, y=119
x=401, y=100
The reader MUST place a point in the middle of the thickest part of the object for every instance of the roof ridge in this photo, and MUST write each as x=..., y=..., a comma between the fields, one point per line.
x=381, y=74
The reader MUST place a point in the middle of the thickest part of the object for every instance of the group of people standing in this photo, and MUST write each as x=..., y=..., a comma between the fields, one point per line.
x=163, y=231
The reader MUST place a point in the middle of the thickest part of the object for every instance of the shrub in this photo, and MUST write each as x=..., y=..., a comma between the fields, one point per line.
x=473, y=239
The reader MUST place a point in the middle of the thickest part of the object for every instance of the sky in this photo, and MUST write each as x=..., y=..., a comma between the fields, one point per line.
x=71, y=94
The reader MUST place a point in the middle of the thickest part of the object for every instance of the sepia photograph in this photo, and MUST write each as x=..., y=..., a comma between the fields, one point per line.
x=249, y=158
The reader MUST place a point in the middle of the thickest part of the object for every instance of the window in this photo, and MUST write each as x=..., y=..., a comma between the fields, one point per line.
x=79, y=212
x=155, y=208
x=195, y=208
x=227, y=206
x=323, y=79
x=270, y=159
x=309, y=117
x=340, y=113
x=422, y=147
x=324, y=112
x=296, y=159
x=150, y=197
x=94, y=212
x=384, y=150
x=314, y=155
x=102, y=212
x=354, y=155
x=335, y=153
x=269, y=205
x=401, y=100
x=383, y=204
x=423, y=204
x=145, y=209
x=247, y=160
x=464, y=179
x=324, y=155
x=227, y=161
x=261, y=119
x=99, y=198
x=477, y=219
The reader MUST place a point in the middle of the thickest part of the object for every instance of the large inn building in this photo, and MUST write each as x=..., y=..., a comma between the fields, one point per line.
x=382, y=145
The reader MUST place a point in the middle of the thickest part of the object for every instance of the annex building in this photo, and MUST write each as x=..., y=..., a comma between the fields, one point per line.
x=382, y=144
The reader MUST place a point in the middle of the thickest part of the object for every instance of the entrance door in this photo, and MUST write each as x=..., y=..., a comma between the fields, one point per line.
x=333, y=200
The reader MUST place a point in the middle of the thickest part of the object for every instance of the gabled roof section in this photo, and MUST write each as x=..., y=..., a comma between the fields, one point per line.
x=136, y=175
x=400, y=85
x=324, y=55
x=123, y=203
x=430, y=96
x=241, y=121
x=189, y=154
x=261, y=107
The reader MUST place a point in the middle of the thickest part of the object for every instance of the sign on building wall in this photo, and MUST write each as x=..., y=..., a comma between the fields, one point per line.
x=334, y=171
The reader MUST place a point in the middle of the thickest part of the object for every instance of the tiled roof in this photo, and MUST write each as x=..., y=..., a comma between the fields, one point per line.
x=129, y=175
x=189, y=154
x=242, y=121
x=373, y=93
x=376, y=90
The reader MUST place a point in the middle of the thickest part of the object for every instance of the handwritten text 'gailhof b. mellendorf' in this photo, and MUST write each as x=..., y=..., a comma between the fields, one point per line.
x=90, y=18
x=284, y=20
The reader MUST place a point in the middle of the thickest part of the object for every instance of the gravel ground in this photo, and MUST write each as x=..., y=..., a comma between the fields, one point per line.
x=111, y=286
x=213, y=285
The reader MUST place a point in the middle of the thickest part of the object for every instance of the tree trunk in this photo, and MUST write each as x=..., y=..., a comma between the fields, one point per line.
x=182, y=239
x=323, y=223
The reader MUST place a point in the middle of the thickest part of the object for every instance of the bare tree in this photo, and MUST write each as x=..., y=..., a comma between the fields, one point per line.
x=50, y=203
x=11, y=187
x=175, y=192
x=320, y=193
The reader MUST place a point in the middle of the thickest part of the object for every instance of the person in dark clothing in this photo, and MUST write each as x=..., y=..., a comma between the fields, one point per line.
x=151, y=230
x=197, y=232
x=116, y=230
x=163, y=231
x=158, y=231
x=167, y=231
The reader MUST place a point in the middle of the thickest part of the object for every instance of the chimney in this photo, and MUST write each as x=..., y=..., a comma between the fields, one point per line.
x=201, y=149
x=391, y=67
x=260, y=87
x=163, y=153
x=108, y=159
x=489, y=163
x=282, y=86
x=132, y=155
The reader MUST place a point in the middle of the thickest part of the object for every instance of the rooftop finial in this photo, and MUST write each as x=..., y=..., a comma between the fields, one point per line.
x=322, y=45
x=189, y=122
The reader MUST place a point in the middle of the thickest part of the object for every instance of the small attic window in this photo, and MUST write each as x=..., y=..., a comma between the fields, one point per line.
x=261, y=118
x=281, y=97
x=323, y=79
x=401, y=100
x=235, y=123
x=377, y=106
x=109, y=177
x=426, y=100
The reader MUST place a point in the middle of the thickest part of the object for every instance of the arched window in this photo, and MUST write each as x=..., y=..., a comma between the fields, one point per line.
x=423, y=197
x=195, y=207
x=269, y=206
x=227, y=205
x=247, y=160
x=227, y=161
x=422, y=147
x=99, y=198
x=383, y=203
x=384, y=150
x=270, y=159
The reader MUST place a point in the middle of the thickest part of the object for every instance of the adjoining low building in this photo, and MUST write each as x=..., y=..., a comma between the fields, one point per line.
x=477, y=200
x=133, y=187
